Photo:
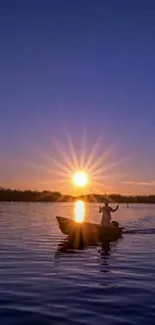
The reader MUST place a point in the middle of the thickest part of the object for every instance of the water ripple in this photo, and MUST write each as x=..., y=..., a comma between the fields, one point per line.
x=41, y=285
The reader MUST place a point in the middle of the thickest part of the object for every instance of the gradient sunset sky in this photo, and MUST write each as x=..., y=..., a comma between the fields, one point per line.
x=75, y=73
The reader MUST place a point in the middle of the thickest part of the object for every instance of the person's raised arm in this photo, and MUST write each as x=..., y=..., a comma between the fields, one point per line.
x=113, y=210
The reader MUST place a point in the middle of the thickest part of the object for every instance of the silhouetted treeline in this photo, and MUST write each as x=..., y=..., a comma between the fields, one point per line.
x=47, y=196
x=118, y=198
x=29, y=196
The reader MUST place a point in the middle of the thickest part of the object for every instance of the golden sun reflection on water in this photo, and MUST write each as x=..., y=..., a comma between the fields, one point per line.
x=79, y=211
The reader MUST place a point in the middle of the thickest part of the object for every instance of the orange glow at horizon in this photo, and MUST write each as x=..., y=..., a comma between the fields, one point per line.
x=76, y=171
x=79, y=211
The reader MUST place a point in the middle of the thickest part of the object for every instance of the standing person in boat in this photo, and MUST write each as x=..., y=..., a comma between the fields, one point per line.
x=106, y=214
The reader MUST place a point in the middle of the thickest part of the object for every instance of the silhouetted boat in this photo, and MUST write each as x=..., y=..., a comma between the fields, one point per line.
x=87, y=232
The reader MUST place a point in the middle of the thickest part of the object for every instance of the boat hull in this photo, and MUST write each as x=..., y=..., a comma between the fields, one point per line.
x=88, y=232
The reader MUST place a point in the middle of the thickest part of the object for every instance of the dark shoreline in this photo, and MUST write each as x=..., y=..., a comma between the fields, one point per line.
x=8, y=195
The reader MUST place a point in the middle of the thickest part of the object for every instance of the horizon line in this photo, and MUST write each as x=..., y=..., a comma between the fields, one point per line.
x=71, y=195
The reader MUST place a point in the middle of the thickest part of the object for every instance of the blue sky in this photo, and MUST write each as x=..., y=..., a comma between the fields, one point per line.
x=77, y=65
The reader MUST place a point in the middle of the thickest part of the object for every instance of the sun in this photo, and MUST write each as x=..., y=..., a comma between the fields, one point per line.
x=80, y=179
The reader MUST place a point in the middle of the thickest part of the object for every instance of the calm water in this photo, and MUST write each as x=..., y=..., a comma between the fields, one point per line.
x=39, y=286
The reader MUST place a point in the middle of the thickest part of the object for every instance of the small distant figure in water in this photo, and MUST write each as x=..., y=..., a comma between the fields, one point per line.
x=106, y=213
x=127, y=205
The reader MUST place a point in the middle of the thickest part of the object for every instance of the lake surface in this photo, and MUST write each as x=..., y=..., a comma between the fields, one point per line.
x=40, y=286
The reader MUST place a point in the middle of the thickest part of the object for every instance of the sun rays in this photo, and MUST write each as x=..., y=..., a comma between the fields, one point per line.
x=95, y=164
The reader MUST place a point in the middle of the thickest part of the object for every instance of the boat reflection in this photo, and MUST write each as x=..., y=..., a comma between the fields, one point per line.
x=79, y=211
x=69, y=246
x=66, y=247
